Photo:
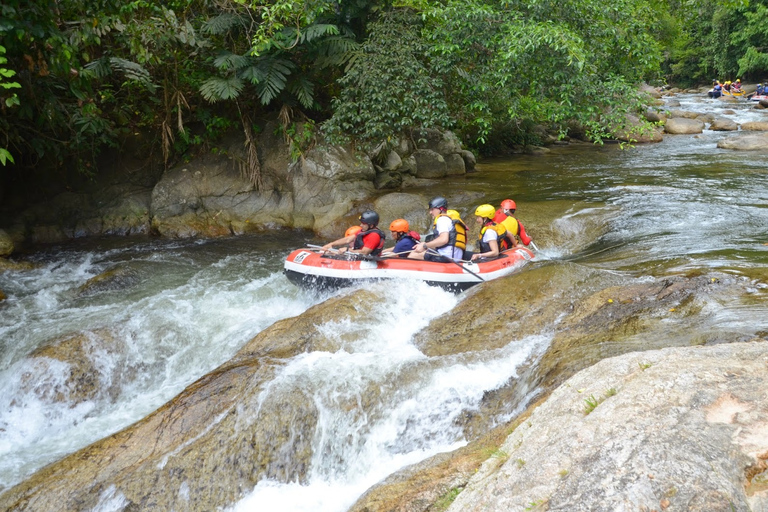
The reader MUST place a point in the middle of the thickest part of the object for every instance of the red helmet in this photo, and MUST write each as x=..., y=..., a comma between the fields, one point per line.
x=508, y=204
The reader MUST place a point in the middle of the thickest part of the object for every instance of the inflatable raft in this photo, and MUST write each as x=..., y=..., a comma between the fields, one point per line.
x=309, y=268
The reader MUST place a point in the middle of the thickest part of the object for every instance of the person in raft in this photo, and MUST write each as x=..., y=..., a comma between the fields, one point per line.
x=446, y=242
x=351, y=231
x=369, y=240
x=505, y=217
x=492, y=236
x=405, y=239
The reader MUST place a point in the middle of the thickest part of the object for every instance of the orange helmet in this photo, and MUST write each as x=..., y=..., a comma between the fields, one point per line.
x=508, y=204
x=399, y=225
x=353, y=230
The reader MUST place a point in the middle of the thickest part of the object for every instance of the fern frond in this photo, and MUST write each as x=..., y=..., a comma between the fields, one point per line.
x=131, y=70
x=270, y=77
x=98, y=68
x=217, y=88
x=222, y=23
x=335, y=51
x=318, y=30
x=226, y=61
x=303, y=89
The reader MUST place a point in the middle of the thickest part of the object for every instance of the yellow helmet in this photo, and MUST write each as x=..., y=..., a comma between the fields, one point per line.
x=485, y=210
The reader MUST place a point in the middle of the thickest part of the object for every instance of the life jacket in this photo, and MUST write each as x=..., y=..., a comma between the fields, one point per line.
x=456, y=237
x=500, y=231
x=359, y=240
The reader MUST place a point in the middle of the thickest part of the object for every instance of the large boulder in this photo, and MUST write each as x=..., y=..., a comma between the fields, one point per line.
x=682, y=125
x=755, y=126
x=745, y=142
x=430, y=164
x=720, y=124
x=640, y=432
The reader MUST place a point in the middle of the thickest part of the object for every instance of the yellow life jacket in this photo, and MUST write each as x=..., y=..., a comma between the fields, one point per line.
x=500, y=231
x=458, y=234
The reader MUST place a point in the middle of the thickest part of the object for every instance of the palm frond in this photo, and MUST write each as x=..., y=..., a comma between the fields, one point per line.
x=218, y=88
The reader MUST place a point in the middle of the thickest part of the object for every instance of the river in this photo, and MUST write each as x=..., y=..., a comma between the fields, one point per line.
x=678, y=207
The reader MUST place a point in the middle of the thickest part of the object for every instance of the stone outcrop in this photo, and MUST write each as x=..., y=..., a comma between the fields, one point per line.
x=211, y=195
x=644, y=431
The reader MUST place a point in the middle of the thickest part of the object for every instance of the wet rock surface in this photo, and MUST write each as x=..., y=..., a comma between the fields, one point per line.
x=211, y=443
x=677, y=429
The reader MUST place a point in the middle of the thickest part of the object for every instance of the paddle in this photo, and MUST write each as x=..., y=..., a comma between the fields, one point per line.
x=435, y=253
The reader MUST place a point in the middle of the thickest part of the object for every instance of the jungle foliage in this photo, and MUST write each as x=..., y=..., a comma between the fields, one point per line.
x=77, y=77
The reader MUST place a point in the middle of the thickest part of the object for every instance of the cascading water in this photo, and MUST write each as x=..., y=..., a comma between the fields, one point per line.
x=417, y=400
x=187, y=307
x=193, y=305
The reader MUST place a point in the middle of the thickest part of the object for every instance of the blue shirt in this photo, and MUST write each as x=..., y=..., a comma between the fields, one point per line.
x=404, y=245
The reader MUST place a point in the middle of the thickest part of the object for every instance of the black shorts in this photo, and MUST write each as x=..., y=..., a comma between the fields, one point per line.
x=436, y=258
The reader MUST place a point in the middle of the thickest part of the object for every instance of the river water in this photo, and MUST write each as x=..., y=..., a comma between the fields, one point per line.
x=680, y=206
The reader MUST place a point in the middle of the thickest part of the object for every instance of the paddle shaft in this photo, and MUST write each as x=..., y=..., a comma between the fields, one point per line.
x=434, y=252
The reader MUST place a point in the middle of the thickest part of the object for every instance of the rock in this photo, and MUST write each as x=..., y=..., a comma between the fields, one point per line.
x=119, y=277
x=443, y=143
x=469, y=160
x=652, y=116
x=728, y=112
x=387, y=180
x=3, y=296
x=720, y=124
x=15, y=265
x=393, y=162
x=637, y=131
x=673, y=103
x=755, y=126
x=430, y=164
x=640, y=431
x=684, y=114
x=454, y=164
x=650, y=91
x=745, y=142
x=6, y=244
x=84, y=378
x=763, y=103
x=680, y=125
x=411, y=207
x=221, y=435
x=706, y=118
